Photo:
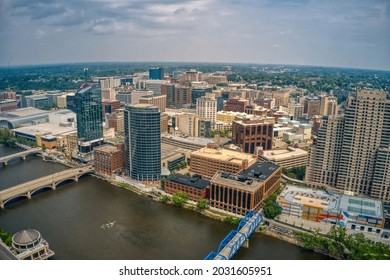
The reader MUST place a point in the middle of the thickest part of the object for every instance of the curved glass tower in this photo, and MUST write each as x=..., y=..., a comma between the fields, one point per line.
x=143, y=142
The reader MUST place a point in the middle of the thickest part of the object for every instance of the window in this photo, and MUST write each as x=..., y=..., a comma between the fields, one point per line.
x=362, y=228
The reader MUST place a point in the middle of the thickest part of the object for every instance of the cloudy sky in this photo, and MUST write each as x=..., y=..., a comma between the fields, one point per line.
x=353, y=33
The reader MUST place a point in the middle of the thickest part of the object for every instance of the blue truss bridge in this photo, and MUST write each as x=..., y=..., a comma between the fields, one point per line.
x=230, y=245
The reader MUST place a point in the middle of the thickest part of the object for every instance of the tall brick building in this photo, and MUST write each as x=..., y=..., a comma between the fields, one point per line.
x=249, y=134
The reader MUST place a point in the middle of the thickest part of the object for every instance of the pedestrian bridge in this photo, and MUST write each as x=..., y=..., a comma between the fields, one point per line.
x=51, y=181
x=21, y=155
x=230, y=245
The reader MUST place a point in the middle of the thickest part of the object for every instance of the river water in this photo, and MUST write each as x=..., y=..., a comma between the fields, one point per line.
x=92, y=219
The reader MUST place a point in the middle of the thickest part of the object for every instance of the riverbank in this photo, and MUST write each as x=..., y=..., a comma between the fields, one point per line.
x=216, y=214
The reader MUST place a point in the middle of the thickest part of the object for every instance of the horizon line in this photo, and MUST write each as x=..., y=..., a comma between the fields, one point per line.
x=188, y=62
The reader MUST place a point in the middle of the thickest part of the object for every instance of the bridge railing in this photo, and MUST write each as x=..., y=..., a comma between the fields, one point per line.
x=230, y=245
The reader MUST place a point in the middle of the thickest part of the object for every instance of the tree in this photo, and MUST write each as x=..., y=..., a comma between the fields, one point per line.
x=232, y=220
x=165, y=199
x=202, y=203
x=271, y=209
x=179, y=199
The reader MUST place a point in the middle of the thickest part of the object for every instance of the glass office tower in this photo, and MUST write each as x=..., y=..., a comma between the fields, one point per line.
x=88, y=103
x=143, y=142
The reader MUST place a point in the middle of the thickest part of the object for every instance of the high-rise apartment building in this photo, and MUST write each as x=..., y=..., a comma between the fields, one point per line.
x=143, y=142
x=169, y=91
x=182, y=96
x=350, y=153
x=328, y=105
x=88, y=104
x=296, y=110
x=206, y=108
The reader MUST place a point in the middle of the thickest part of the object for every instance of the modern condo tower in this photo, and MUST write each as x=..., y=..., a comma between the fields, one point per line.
x=352, y=152
x=143, y=142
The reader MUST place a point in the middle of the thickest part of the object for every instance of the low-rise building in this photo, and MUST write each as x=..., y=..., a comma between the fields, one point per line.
x=44, y=134
x=289, y=136
x=356, y=213
x=287, y=158
x=185, y=141
x=207, y=161
x=195, y=187
x=246, y=190
x=8, y=104
x=109, y=159
x=29, y=245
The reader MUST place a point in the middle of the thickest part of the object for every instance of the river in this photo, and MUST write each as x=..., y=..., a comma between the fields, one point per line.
x=92, y=219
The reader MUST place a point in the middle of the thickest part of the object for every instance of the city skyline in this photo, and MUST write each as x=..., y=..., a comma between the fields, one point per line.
x=348, y=34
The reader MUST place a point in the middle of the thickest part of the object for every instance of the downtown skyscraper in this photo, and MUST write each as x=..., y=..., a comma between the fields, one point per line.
x=88, y=104
x=143, y=142
x=352, y=152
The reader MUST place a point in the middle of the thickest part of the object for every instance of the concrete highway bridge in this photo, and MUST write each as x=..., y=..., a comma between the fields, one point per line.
x=51, y=181
x=22, y=155
x=230, y=245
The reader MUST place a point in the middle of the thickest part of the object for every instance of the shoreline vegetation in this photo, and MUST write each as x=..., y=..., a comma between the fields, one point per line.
x=336, y=244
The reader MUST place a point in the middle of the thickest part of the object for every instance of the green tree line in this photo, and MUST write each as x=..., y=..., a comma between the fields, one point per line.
x=340, y=245
x=8, y=139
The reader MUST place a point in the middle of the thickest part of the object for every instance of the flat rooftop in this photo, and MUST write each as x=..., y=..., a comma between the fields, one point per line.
x=194, y=182
x=248, y=179
x=277, y=155
x=168, y=151
x=23, y=112
x=361, y=206
x=188, y=139
x=348, y=205
x=106, y=149
x=45, y=129
x=226, y=155
x=312, y=197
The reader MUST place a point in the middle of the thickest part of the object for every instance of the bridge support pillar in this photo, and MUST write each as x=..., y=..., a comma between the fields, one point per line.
x=5, y=162
x=76, y=179
x=246, y=244
x=24, y=157
x=1, y=205
x=53, y=186
x=29, y=195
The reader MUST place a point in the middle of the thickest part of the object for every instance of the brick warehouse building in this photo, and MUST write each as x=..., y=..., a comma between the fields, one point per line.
x=194, y=186
x=109, y=159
